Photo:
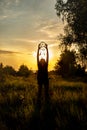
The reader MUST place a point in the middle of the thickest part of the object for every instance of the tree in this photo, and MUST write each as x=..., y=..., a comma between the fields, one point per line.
x=24, y=71
x=9, y=70
x=66, y=66
x=74, y=13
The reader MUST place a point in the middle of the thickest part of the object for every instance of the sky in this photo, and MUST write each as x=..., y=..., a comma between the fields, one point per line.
x=23, y=25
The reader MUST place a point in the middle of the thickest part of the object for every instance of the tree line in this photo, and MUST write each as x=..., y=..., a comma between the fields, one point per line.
x=9, y=70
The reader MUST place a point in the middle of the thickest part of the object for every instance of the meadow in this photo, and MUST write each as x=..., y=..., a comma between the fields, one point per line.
x=66, y=109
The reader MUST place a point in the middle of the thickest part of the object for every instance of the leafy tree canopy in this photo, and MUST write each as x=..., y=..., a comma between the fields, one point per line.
x=67, y=64
x=74, y=12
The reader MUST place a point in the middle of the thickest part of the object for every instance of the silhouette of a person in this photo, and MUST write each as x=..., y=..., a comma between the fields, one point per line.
x=42, y=76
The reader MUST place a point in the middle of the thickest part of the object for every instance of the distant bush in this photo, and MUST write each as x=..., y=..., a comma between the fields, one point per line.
x=23, y=71
x=9, y=70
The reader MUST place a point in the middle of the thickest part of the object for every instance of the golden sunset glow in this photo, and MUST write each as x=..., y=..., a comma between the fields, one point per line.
x=23, y=25
x=34, y=53
x=50, y=54
x=52, y=59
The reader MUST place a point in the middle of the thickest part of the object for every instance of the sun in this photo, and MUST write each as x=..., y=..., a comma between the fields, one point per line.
x=51, y=59
x=34, y=53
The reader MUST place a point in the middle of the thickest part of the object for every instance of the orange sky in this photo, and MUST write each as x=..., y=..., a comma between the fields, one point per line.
x=23, y=25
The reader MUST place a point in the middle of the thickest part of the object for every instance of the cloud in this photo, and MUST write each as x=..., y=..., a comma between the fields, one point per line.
x=50, y=27
x=53, y=45
x=7, y=3
x=28, y=19
x=11, y=15
x=2, y=17
x=8, y=52
x=17, y=2
x=51, y=42
x=24, y=27
x=9, y=9
x=25, y=40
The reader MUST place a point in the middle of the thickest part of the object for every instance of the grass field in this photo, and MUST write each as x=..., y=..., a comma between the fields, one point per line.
x=66, y=109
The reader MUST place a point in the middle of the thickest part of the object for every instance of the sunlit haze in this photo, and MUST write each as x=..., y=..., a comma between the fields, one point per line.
x=23, y=25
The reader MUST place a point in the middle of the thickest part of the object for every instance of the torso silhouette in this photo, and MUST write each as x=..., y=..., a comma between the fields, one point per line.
x=42, y=75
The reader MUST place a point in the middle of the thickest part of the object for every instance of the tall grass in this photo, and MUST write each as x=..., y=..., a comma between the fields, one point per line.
x=66, y=109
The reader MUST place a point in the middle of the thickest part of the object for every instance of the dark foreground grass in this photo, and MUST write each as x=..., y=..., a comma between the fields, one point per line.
x=66, y=108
